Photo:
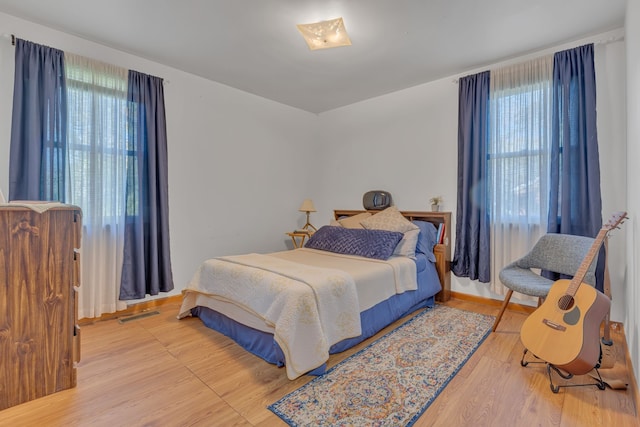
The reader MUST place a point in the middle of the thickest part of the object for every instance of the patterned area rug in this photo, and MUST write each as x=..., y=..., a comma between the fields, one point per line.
x=393, y=380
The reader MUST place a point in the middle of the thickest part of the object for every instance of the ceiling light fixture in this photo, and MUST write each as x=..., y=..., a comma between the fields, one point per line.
x=325, y=34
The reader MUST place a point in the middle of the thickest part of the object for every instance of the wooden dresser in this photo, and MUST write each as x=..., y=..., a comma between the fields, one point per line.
x=39, y=273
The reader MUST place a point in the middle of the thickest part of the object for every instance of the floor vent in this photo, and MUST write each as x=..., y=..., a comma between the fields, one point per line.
x=138, y=316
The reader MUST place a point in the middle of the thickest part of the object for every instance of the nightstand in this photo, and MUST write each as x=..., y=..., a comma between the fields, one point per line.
x=298, y=238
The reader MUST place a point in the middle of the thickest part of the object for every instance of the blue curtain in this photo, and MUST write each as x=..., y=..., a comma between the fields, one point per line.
x=575, y=204
x=472, y=249
x=147, y=264
x=38, y=147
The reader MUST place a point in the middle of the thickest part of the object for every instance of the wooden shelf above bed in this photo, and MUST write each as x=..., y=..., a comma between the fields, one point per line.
x=441, y=251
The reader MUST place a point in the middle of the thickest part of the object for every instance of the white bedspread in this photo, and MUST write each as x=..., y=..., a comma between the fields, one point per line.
x=376, y=280
x=321, y=305
x=310, y=308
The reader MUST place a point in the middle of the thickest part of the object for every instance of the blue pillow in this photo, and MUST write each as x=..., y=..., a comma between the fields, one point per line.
x=426, y=239
x=376, y=244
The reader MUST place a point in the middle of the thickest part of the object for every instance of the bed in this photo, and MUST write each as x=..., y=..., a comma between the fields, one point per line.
x=353, y=277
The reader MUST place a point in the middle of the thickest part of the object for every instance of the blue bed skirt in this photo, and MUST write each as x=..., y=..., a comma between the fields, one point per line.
x=373, y=320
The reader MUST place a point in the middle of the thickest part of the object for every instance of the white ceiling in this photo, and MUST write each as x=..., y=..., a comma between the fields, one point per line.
x=254, y=46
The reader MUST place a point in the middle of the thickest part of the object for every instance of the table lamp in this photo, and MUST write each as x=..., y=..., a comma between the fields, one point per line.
x=307, y=206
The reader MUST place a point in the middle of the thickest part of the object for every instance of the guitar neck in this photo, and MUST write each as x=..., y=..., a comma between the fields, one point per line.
x=616, y=219
x=586, y=263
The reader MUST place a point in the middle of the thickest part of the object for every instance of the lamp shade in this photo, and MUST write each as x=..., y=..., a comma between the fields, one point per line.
x=307, y=206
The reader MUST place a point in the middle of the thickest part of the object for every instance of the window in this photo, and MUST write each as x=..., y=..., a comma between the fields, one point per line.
x=520, y=102
x=70, y=143
x=518, y=155
x=96, y=175
x=528, y=133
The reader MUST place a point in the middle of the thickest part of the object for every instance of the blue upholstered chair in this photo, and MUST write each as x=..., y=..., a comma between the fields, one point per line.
x=560, y=253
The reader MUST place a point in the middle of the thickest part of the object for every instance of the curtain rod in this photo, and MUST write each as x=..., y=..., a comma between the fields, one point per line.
x=11, y=37
x=597, y=43
x=609, y=40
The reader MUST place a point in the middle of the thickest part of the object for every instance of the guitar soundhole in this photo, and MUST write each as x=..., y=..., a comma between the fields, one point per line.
x=566, y=302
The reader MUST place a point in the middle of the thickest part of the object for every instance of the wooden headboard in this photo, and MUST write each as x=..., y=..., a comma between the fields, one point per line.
x=441, y=251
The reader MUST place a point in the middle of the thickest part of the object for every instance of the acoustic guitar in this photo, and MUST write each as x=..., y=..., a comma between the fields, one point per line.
x=565, y=330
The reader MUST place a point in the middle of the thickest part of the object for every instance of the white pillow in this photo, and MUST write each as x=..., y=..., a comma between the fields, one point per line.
x=354, y=221
x=407, y=246
x=391, y=219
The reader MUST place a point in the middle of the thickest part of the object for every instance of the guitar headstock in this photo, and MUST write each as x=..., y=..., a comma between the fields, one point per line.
x=615, y=220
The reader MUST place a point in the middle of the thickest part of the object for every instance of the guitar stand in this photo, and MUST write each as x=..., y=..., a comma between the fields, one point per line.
x=564, y=375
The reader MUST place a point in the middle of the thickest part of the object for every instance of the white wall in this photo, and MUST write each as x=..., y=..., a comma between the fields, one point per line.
x=612, y=140
x=632, y=227
x=406, y=143
x=238, y=163
x=403, y=142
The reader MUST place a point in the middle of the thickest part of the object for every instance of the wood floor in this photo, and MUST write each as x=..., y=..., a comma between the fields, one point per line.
x=159, y=371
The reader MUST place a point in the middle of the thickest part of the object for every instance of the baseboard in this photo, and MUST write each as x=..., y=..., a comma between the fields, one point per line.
x=633, y=384
x=511, y=306
x=133, y=309
x=492, y=302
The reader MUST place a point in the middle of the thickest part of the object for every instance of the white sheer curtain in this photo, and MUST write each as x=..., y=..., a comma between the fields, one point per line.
x=519, y=141
x=97, y=131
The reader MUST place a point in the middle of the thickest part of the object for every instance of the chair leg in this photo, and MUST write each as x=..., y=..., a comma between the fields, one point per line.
x=504, y=306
